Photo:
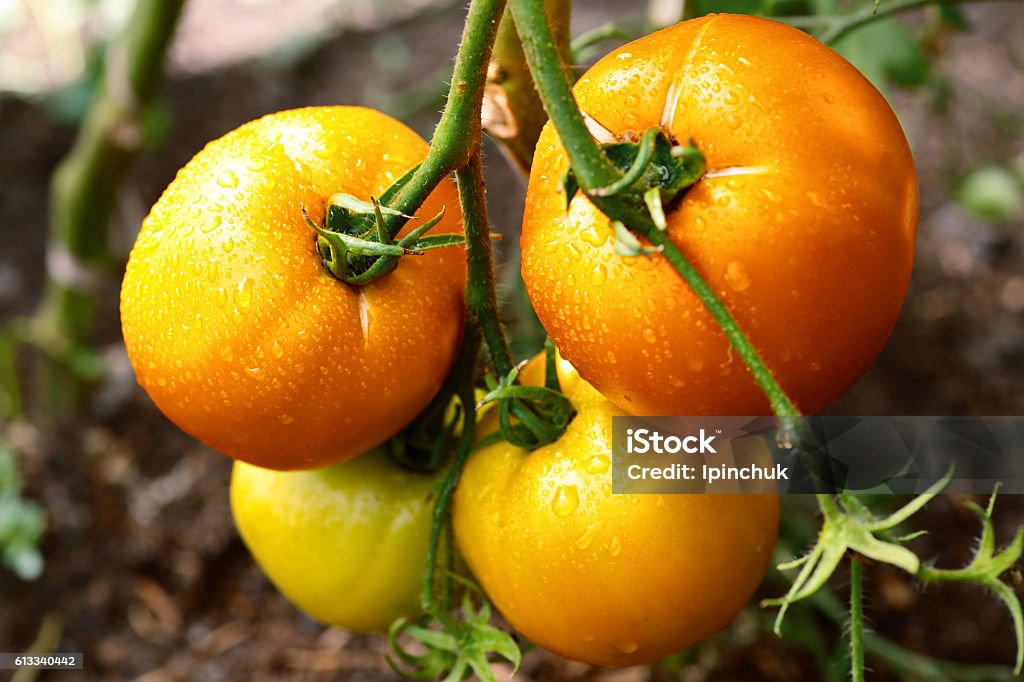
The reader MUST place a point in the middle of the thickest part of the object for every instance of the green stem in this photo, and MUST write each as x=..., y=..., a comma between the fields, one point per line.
x=856, y=621
x=593, y=170
x=514, y=114
x=465, y=368
x=908, y=662
x=83, y=197
x=481, y=301
x=835, y=27
x=780, y=403
x=457, y=136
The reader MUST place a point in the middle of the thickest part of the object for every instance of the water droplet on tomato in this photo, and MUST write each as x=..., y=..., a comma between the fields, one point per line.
x=227, y=179
x=566, y=500
x=587, y=538
x=243, y=297
x=615, y=547
x=210, y=225
x=627, y=647
x=736, y=276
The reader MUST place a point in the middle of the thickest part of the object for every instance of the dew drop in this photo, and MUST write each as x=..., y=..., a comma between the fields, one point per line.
x=286, y=419
x=211, y=224
x=566, y=500
x=736, y=276
x=226, y=354
x=615, y=548
x=584, y=541
x=277, y=350
x=222, y=297
x=649, y=335
x=228, y=244
x=598, y=464
x=243, y=297
x=627, y=647
x=227, y=179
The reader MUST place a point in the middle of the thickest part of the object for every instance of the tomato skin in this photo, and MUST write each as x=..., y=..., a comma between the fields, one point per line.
x=804, y=224
x=612, y=580
x=237, y=332
x=346, y=544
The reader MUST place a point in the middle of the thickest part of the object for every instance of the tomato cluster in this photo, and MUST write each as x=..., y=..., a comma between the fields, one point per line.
x=803, y=224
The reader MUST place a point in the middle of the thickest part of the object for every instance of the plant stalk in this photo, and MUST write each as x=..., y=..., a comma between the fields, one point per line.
x=457, y=135
x=481, y=300
x=83, y=197
x=513, y=113
x=856, y=621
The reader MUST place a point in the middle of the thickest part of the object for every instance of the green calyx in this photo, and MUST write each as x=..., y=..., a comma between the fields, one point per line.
x=356, y=242
x=529, y=416
x=655, y=173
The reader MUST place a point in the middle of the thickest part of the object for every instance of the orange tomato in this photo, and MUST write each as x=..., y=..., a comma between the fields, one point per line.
x=238, y=333
x=607, y=579
x=804, y=223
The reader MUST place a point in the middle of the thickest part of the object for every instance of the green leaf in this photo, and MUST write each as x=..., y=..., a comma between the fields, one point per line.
x=954, y=17
x=992, y=193
x=728, y=6
x=885, y=52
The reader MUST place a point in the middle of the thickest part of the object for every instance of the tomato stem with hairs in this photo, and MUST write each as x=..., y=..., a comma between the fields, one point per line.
x=856, y=621
x=481, y=300
x=593, y=170
x=513, y=114
x=458, y=135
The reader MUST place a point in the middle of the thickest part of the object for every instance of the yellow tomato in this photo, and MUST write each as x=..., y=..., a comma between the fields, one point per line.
x=608, y=579
x=346, y=544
